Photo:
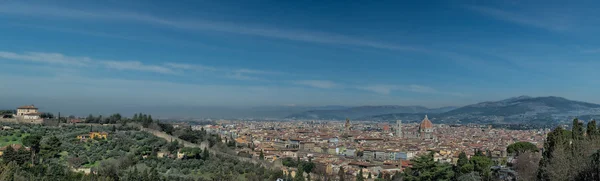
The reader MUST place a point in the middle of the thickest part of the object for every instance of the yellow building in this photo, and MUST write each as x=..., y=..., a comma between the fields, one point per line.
x=102, y=135
x=92, y=135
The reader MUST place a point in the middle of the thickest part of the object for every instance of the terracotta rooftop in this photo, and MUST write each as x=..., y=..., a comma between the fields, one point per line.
x=27, y=107
x=426, y=123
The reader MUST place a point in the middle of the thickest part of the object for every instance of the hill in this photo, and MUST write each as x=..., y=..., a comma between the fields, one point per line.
x=365, y=112
x=522, y=109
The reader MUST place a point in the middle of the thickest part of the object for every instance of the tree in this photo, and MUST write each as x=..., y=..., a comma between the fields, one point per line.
x=9, y=171
x=205, y=154
x=482, y=165
x=307, y=166
x=47, y=115
x=591, y=130
x=577, y=130
x=109, y=168
x=478, y=153
x=472, y=176
x=299, y=175
x=341, y=174
x=462, y=159
x=9, y=155
x=90, y=119
x=262, y=155
x=554, y=146
x=568, y=155
x=33, y=142
x=360, y=177
x=370, y=176
x=521, y=147
x=527, y=165
x=425, y=168
x=75, y=162
x=51, y=147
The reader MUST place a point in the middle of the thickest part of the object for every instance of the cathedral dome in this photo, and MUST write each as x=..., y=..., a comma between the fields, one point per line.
x=426, y=124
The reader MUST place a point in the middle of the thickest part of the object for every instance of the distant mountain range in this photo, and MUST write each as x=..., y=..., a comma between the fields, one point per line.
x=365, y=111
x=523, y=109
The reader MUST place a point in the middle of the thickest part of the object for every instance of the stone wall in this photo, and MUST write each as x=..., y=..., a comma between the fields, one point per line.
x=21, y=120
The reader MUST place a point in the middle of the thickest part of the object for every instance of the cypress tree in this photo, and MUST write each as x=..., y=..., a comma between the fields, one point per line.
x=591, y=130
x=577, y=131
x=205, y=154
x=341, y=174
x=360, y=177
x=556, y=137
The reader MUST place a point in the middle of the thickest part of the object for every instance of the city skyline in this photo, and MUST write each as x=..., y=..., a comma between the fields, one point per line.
x=291, y=53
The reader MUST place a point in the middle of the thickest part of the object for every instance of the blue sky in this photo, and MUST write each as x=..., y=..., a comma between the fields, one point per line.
x=256, y=53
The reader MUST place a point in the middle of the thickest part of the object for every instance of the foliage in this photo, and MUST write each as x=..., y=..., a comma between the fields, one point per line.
x=570, y=155
x=51, y=147
x=117, y=158
x=342, y=174
x=425, y=168
x=482, y=165
x=471, y=176
x=262, y=155
x=47, y=115
x=360, y=177
x=521, y=147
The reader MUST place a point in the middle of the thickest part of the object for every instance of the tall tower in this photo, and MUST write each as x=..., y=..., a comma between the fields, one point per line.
x=399, y=128
x=347, y=125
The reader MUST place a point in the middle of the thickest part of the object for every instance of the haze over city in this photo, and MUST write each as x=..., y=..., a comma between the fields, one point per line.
x=209, y=56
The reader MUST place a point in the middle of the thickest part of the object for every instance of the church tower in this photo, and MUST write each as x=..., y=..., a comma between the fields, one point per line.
x=347, y=125
x=399, y=128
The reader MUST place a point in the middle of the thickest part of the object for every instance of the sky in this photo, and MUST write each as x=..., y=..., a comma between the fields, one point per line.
x=111, y=54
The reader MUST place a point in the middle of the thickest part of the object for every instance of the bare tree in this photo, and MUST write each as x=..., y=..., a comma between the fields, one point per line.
x=527, y=165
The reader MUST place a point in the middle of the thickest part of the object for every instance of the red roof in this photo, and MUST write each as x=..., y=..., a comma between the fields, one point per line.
x=27, y=107
x=426, y=123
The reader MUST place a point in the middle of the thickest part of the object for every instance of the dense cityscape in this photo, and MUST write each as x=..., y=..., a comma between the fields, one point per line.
x=290, y=150
x=234, y=90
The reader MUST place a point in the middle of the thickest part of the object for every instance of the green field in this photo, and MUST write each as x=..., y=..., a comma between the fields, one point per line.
x=15, y=138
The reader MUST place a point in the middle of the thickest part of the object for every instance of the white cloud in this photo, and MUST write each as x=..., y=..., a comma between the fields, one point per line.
x=57, y=58
x=193, y=67
x=136, y=65
x=50, y=58
x=545, y=21
x=323, y=84
x=387, y=89
x=164, y=68
x=240, y=76
x=200, y=25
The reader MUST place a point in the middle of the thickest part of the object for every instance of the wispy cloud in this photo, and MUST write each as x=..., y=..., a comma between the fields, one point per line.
x=546, y=21
x=237, y=74
x=60, y=59
x=162, y=68
x=387, y=89
x=136, y=65
x=202, y=25
x=194, y=67
x=323, y=84
x=50, y=58
x=241, y=76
